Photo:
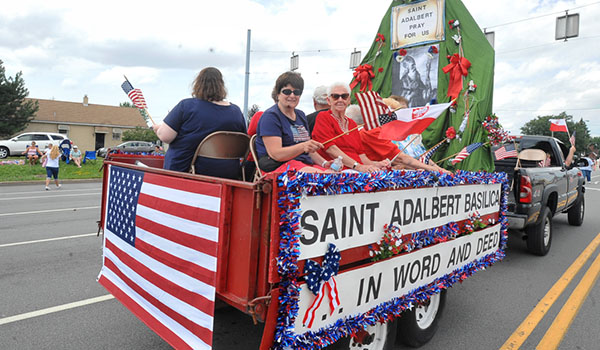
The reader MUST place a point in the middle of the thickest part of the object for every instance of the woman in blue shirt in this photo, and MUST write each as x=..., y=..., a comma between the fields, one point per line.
x=192, y=119
x=283, y=137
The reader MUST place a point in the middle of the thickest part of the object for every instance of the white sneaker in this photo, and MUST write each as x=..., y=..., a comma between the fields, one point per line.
x=58, y=186
x=47, y=188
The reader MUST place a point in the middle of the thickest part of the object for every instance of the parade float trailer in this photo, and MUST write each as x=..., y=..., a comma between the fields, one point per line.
x=320, y=259
x=317, y=258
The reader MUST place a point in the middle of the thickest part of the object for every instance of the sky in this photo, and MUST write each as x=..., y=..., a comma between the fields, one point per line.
x=68, y=49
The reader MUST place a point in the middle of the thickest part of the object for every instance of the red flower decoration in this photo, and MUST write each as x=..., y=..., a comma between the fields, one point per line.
x=451, y=133
x=380, y=37
x=402, y=52
x=380, y=69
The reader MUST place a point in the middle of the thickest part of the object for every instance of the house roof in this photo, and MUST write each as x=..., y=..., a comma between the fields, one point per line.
x=76, y=112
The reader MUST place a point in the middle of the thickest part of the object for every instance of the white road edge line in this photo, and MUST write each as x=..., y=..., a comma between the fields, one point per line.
x=48, y=211
x=53, y=309
x=593, y=189
x=46, y=240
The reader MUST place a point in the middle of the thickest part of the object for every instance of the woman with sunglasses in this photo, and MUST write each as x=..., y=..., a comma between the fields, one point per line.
x=283, y=138
x=192, y=119
x=334, y=125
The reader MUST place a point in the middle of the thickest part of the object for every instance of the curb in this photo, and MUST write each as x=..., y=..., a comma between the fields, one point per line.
x=34, y=182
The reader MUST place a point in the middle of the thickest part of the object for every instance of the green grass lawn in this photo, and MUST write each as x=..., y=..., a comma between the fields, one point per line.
x=12, y=172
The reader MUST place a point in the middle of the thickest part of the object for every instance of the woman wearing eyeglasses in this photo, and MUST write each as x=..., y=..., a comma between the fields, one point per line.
x=192, y=119
x=283, y=138
x=345, y=138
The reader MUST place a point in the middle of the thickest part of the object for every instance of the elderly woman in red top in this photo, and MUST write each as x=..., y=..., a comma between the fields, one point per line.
x=333, y=123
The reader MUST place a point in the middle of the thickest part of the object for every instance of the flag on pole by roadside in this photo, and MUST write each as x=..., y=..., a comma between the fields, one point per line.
x=411, y=121
x=465, y=152
x=507, y=151
x=160, y=252
x=558, y=125
x=135, y=95
x=374, y=111
x=572, y=138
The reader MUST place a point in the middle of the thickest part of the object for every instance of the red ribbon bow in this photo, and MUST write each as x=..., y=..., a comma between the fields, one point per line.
x=458, y=67
x=363, y=75
x=380, y=37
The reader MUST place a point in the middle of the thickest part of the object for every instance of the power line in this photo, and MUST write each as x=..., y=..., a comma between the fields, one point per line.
x=548, y=110
x=540, y=16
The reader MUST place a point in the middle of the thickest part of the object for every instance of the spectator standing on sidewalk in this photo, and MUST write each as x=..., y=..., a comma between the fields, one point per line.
x=52, y=157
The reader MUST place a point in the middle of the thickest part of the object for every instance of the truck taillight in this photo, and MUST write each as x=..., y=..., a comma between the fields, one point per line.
x=525, y=190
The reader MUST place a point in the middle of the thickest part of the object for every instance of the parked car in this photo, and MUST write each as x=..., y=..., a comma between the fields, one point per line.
x=129, y=146
x=17, y=145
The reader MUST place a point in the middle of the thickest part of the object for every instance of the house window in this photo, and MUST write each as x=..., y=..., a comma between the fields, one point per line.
x=116, y=134
x=63, y=129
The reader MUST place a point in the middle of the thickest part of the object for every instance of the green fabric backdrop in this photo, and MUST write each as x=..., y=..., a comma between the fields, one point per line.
x=481, y=55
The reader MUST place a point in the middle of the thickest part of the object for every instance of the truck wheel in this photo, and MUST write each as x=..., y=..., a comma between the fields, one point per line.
x=418, y=325
x=539, y=237
x=4, y=152
x=576, y=213
x=378, y=337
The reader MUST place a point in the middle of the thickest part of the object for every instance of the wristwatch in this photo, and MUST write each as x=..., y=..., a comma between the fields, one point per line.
x=354, y=165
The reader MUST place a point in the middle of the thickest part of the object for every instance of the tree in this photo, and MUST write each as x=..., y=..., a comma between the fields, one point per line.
x=541, y=126
x=142, y=111
x=15, y=112
x=140, y=134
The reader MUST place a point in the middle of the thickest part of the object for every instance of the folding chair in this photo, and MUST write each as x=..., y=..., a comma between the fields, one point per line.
x=258, y=172
x=223, y=145
x=91, y=155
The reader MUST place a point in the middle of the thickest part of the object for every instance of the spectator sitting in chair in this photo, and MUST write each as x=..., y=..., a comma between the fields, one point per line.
x=33, y=153
x=75, y=156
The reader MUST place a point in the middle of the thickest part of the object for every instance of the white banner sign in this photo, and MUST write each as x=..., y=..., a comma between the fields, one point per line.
x=414, y=24
x=364, y=288
x=355, y=220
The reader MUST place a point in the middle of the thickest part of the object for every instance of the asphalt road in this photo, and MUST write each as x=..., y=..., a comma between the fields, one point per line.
x=49, y=298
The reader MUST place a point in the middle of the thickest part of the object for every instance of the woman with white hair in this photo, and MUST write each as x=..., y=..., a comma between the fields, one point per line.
x=339, y=134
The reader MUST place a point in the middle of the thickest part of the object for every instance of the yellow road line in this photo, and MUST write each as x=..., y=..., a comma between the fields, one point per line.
x=562, y=322
x=535, y=316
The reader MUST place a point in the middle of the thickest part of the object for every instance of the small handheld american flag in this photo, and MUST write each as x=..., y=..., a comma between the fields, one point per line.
x=507, y=151
x=465, y=152
x=134, y=94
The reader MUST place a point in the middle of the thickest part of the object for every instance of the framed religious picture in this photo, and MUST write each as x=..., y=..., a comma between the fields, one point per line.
x=417, y=23
x=414, y=75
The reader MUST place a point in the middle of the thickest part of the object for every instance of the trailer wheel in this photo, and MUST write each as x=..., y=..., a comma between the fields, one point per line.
x=539, y=237
x=418, y=325
x=576, y=213
x=381, y=336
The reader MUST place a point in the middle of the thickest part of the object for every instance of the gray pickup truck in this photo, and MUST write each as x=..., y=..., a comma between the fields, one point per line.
x=541, y=189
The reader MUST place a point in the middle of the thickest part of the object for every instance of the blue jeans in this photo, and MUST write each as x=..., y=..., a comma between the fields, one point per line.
x=52, y=172
x=587, y=174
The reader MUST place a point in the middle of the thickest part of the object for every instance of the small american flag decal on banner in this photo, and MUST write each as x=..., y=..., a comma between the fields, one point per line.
x=160, y=252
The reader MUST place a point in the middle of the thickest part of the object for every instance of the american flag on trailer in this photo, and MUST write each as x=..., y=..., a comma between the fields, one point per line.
x=375, y=112
x=465, y=152
x=135, y=95
x=160, y=252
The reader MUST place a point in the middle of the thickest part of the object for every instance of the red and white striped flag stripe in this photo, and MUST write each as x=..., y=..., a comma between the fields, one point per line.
x=371, y=106
x=160, y=252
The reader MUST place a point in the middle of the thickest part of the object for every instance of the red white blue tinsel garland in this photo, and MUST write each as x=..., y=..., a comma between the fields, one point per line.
x=293, y=185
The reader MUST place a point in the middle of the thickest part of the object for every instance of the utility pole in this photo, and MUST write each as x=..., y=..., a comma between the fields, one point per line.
x=247, y=80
